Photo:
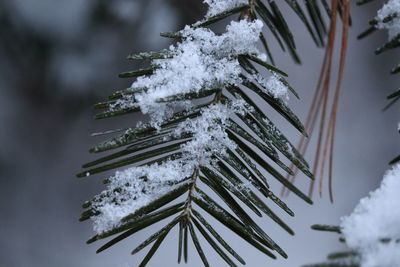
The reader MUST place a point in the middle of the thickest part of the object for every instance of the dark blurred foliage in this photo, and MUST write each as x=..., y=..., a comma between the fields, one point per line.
x=36, y=59
x=52, y=67
x=57, y=59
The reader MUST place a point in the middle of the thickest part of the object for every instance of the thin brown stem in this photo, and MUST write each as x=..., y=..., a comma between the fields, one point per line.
x=326, y=145
x=310, y=123
x=326, y=137
x=329, y=51
x=345, y=34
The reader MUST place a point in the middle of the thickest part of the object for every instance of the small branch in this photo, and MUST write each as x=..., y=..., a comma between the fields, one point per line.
x=188, y=203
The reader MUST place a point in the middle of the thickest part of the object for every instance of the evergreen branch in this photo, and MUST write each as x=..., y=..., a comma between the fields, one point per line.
x=203, y=131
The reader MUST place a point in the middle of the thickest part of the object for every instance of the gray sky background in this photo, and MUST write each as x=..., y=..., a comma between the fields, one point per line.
x=57, y=58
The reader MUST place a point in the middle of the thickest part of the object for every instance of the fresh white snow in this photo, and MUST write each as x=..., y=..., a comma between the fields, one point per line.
x=373, y=229
x=135, y=187
x=219, y=6
x=392, y=7
x=203, y=60
x=273, y=85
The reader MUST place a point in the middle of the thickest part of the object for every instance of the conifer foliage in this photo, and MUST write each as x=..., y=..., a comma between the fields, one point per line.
x=387, y=19
x=206, y=141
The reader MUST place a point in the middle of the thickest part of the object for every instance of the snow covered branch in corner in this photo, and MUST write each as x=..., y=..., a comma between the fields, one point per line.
x=373, y=229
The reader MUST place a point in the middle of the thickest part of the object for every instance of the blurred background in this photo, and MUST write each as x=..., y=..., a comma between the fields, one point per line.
x=58, y=58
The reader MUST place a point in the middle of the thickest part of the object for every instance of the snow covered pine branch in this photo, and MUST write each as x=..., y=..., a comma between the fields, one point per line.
x=205, y=138
x=372, y=231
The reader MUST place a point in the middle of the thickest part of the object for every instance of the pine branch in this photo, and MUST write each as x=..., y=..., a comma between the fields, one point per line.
x=371, y=231
x=205, y=131
x=386, y=19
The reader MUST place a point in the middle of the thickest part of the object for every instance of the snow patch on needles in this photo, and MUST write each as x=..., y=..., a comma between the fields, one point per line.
x=219, y=6
x=277, y=88
x=209, y=136
x=273, y=85
x=373, y=229
x=131, y=189
x=391, y=8
x=203, y=60
x=136, y=187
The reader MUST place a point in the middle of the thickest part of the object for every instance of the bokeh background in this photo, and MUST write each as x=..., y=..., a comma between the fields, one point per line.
x=57, y=58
